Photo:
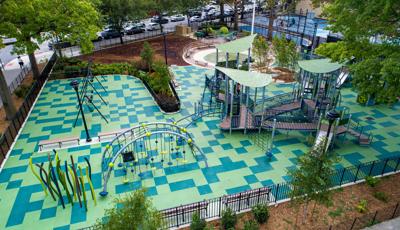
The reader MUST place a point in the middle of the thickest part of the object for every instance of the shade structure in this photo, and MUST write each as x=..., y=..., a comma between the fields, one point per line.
x=246, y=78
x=238, y=45
x=319, y=65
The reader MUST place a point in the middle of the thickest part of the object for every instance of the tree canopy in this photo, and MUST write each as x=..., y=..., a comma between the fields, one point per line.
x=32, y=22
x=371, y=42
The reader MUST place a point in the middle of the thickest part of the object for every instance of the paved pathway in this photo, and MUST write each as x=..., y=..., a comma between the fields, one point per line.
x=393, y=224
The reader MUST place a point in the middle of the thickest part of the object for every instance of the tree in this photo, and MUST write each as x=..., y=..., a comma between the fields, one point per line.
x=147, y=55
x=74, y=21
x=311, y=181
x=134, y=212
x=5, y=96
x=285, y=52
x=370, y=41
x=260, y=50
x=120, y=12
x=31, y=22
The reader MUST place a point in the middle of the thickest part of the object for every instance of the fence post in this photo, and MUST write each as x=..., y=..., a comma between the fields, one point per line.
x=177, y=217
x=220, y=205
x=276, y=194
x=258, y=196
x=358, y=169
x=395, y=209
x=240, y=201
x=354, y=222
x=372, y=166
x=397, y=165
x=384, y=166
x=341, y=178
x=373, y=220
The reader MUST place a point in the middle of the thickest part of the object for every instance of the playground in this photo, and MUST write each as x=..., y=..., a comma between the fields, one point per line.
x=231, y=134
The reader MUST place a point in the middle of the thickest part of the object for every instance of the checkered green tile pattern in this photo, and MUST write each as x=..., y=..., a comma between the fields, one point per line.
x=235, y=162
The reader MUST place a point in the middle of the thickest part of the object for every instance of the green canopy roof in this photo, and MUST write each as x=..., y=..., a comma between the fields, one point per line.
x=238, y=45
x=319, y=65
x=246, y=78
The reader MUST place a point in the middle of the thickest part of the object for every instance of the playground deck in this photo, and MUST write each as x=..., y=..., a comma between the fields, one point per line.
x=236, y=164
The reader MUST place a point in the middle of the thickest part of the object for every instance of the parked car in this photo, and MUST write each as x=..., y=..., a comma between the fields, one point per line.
x=194, y=12
x=134, y=30
x=156, y=19
x=177, y=18
x=153, y=26
x=110, y=33
x=212, y=12
x=196, y=19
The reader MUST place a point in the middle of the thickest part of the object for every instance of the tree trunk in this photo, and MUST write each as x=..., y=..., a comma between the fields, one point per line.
x=242, y=13
x=120, y=38
x=313, y=211
x=236, y=16
x=34, y=66
x=297, y=215
x=221, y=11
x=5, y=96
x=305, y=211
x=271, y=23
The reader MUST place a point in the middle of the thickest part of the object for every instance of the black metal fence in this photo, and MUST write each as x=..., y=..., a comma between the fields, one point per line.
x=369, y=219
x=213, y=208
x=114, y=42
x=16, y=123
x=18, y=80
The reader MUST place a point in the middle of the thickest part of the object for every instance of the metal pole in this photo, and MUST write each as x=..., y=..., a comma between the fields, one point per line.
x=247, y=89
x=227, y=60
x=75, y=84
x=262, y=109
x=231, y=110
x=253, y=17
x=249, y=58
x=165, y=49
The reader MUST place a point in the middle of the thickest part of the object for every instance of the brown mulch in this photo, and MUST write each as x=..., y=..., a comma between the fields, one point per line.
x=28, y=80
x=131, y=51
x=345, y=200
x=284, y=74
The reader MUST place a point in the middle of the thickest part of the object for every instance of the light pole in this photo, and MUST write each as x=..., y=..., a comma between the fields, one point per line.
x=165, y=49
x=75, y=85
x=332, y=115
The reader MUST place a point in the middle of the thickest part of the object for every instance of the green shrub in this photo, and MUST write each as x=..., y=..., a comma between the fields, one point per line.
x=159, y=80
x=381, y=196
x=260, y=213
x=250, y=225
x=72, y=71
x=210, y=31
x=224, y=30
x=147, y=55
x=372, y=181
x=362, y=206
x=22, y=91
x=228, y=219
x=197, y=222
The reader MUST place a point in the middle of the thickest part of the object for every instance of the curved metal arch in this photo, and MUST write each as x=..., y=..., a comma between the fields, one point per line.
x=106, y=175
x=131, y=131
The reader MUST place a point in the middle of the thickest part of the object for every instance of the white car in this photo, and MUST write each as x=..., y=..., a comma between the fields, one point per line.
x=177, y=18
x=153, y=26
x=212, y=12
x=196, y=19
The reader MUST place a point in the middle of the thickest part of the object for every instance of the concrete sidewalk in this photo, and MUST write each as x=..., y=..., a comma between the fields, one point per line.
x=393, y=224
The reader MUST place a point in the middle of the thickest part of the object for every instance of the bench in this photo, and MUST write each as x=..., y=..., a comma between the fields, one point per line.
x=112, y=133
x=205, y=64
x=58, y=141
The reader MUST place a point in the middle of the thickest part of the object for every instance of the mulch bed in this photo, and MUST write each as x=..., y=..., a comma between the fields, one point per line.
x=345, y=200
x=28, y=81
x=131, y=51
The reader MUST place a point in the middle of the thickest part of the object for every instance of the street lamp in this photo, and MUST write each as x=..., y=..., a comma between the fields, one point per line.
x=165, y=49
x=331, y=115
x=75, y=85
